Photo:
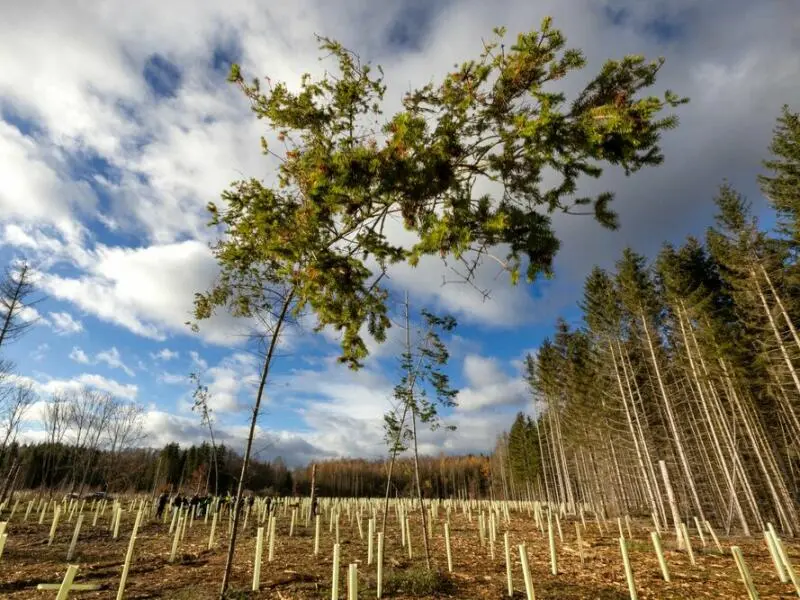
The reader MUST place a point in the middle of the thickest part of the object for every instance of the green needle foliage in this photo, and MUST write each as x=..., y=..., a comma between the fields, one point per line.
x=345, y=169
x=424, y=387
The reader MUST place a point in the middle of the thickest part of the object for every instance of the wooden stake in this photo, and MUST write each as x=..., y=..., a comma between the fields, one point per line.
x=66, y=584
x=744, y=572
x=335, y=581
x=713, y=536
x=776, y=559
x=628, y=571
x=408, y=537
x=688, y=543
x=316, y=533
x=352, y=582
x=579, y=540
x=53, y=527
x=785, y=559
x=75, y=535
x=175, y=540
x=448, y=548
x=509, y=578
x=128, y=555
x=551, y=538
x=271, y=555
x=213, y=529
x=75, y=587
x=526, y=572
x=257, y=560
x=700, y=531
x=662, y=562
x=370, y=540
x=379, y=583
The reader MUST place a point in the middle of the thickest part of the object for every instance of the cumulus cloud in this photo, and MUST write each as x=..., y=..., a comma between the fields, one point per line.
x=47, y=385
x=64, y=323
x=227, y=381
x=113, y=359
x=110, y=357
x=173, y=378
x=148, y=291
x=162, y=428
x=488, y=384
x=79, y=355
x=165, y=354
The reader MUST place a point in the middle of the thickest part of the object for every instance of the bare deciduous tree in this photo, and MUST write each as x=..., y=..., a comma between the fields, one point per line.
x=15, y=401
x=89, y=413
x=16, y=291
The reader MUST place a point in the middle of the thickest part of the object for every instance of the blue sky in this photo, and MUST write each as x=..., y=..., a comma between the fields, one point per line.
x=117, y=128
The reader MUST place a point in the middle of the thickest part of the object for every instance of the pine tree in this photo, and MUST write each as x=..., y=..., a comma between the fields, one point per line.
x=782, y=186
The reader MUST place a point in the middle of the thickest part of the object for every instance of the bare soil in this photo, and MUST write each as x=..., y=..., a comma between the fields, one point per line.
x=296, y=573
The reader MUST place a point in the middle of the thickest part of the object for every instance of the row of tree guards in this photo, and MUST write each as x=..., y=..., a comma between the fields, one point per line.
x=484, y=519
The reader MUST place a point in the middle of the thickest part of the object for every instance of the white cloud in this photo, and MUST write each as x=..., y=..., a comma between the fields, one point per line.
x=173, y=378
x=40, y=352
x=29, y=314
x=163, y=428
x=35, y=186
x=489, y=385
x=63, y=323
x=232, y=378
x=91, y=380
x=165, y=354
x=148, y=291
x=197, y=361
x=79, y=355
x=110, y=357
x=113, y=359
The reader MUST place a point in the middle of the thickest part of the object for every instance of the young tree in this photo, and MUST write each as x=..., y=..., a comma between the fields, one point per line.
x=201, y=395
x=424, y=388
x=318, y=240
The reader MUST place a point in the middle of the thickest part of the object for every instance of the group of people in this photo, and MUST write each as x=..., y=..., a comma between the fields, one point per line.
x=200, y=504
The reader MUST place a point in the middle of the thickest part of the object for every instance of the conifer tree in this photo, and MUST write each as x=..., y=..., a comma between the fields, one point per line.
x=782, y=185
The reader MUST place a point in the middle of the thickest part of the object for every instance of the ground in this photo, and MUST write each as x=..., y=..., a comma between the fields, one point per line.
x=295, y=573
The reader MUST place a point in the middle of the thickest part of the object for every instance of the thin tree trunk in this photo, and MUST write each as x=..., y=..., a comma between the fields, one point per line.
x=248, y=448
x=672, y=422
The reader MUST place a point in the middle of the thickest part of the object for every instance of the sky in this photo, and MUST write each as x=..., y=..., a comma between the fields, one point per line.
x=117, y=128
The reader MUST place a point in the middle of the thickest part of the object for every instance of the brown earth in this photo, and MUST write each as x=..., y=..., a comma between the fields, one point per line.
x=297, y=574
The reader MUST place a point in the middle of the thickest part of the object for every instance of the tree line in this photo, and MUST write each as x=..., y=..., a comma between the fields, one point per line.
x=61, y=468
x=692, y=359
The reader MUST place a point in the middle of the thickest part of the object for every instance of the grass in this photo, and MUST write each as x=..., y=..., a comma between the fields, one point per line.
x=418, y=581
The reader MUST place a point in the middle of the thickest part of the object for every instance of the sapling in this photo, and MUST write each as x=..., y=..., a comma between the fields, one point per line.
x=424, y=388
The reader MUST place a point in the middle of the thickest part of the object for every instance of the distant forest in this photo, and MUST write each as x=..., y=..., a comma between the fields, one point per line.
x=190, y=470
